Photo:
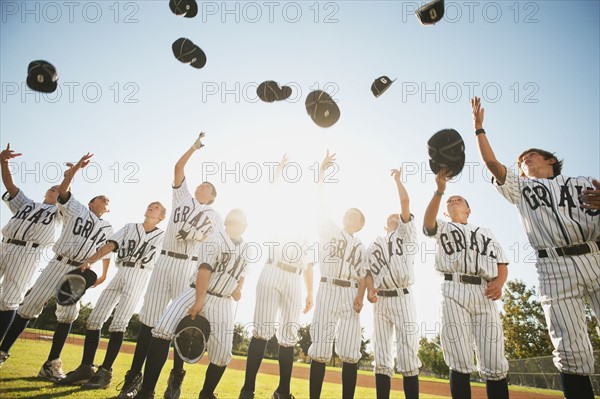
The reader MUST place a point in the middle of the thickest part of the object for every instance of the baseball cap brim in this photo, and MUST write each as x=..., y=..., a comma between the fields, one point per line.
x=192, y=9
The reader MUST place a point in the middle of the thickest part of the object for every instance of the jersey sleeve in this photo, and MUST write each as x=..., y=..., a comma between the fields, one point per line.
x=14, y=204
x=328, y=229
x=408, y=229
x=117, y=238
x=181, y=193
x=501, y=256
x=364, y=263
x=71, y=207
x=439, y=225
x=511, y=187
x=208, y=254
x=108, y=233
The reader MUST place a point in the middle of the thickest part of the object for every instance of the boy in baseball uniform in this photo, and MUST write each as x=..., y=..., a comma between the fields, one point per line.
x=561, y=217
x=24, y=237
x=390, y=277
x=474, y=267
x=136, y=246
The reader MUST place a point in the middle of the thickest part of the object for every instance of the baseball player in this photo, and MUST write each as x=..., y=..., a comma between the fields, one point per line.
x=560, y=215
x=83, y=233
x=136, y=245
x=474, y=267
x=339, y=297
x=218, y=282
x=191, y=221
x=279, y=291
x=25, y=236
x=390, y=276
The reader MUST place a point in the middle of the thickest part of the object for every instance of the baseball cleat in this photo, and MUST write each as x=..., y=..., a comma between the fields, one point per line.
x=174, y=385
x=78, y=376
x=52, y=370
x=131, y=385
x=100, y=380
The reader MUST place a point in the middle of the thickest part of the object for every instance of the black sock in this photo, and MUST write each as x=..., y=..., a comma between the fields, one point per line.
x=177, y=360
x=286, y=363
x=141, y=348
x=256, y=351
x=16, y=328
x=496, y=389
x=317, y=375
x=90, y=346
x=58, y=341
x=349, y=372
x=158, y=352
x=6, y=318
x=383, y=384
x=460, y=385
x=576, y=386
x=411, y=387
x=213, y=376
x=112, y=350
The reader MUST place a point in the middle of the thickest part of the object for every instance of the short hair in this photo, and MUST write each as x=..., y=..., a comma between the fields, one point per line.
x=556, y=167
x=236, y=213
x=362, y=216
x=163, y=210
x=97, y=196
x=214, y=191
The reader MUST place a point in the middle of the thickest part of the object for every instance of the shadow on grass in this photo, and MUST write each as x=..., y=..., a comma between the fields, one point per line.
x=31, y=392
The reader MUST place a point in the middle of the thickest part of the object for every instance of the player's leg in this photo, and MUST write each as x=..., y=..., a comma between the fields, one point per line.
x=219, y=311
x=322, y=332
x=489, y=344
x=348, y=339
x=407, y=343
x=383, y=330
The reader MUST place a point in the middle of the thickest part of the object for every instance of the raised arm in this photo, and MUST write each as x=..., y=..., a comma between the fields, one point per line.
x=402, y=195
x=328, y=161
x=179, y=174
x=497, y=169
x=308, y=282
x=434, y=205
x=63, y=189
x=7, y=179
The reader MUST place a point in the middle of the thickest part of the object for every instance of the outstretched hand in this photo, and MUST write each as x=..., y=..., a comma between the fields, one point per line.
x=8, y=154
x=397, y=173
x=328, y=161
x=478, y=112
x=590, y=197
x=198, y=143
x=441, y=179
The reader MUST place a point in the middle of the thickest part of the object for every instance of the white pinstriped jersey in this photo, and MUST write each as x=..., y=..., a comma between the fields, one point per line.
x=197, y=221
x=467, y=249
x=134, y=244
x=549, y=209
x=341, y=255
x=32, y=221
x=391, y=257
x=83, y=232
x=228, y=261
x=291, y=249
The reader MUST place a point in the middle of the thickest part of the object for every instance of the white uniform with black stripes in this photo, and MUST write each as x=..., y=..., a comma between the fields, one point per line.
x=24, y=237
x=550, y=213
x=470, y=319
x=228, y=261
x=82, y=235
x=137, y=251
x=390, y=261
x=189, y=224
x=279, y=291
x=342, y=264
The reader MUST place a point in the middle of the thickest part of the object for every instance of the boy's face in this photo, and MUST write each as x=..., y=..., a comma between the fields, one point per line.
x=456, y=206
x=204, y=193
x=235, y=224
x=353, y=220
x=154, y=211
x=392, y=222
x=534, y=165
x=99, y=205
x=51, y=195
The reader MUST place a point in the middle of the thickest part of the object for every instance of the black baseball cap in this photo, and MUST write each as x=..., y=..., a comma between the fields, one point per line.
x=431, y=12
x=269, y=91
x=380, y=85
x=42, y=76
x=187, y=8
x=187, y=52
x=322, y=109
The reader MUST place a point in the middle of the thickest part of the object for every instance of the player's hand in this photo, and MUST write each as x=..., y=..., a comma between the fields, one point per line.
x=494, y=289
x=99, y=280
x=195, y=309
x=358, y=304
x=237, y=294
x=7, y=154
x=328, y=161
x=198, y=143
x=590, y=197
x=397, y=173
x=85, y=265
x=478, y=112
x=308, y=304
x=372, y=296
x=182, y=235
x=441, y=179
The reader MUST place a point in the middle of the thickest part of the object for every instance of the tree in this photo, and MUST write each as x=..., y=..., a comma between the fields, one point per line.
x=525, y=333
x=593, y=328
x=432, y=357
x=241, y=339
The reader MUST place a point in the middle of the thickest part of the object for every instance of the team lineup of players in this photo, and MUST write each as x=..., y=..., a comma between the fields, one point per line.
x=197, y=266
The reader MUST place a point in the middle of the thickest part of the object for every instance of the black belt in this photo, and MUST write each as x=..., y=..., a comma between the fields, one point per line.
x=288, y=268
x=464, y=278
x=341, y=283
x=131, y=264
x=193, y=285
x=178, y=256
x=19, y=242
x=70, y=262
x=391, y=292
x=570, y=250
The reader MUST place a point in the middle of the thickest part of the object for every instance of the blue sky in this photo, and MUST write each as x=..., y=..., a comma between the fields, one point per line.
x=124, y=97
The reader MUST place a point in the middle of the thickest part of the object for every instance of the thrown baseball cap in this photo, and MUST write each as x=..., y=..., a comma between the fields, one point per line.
x=191, y=337
x=322, y=109
x=73, y=285
x=380, y=85
x=446, y=150
x=187, y=8
x=269, y=91
x=188, y=53
x=431, y=12
x=42, y=76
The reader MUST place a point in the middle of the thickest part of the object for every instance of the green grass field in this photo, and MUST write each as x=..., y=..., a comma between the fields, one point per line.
x=18, y=378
